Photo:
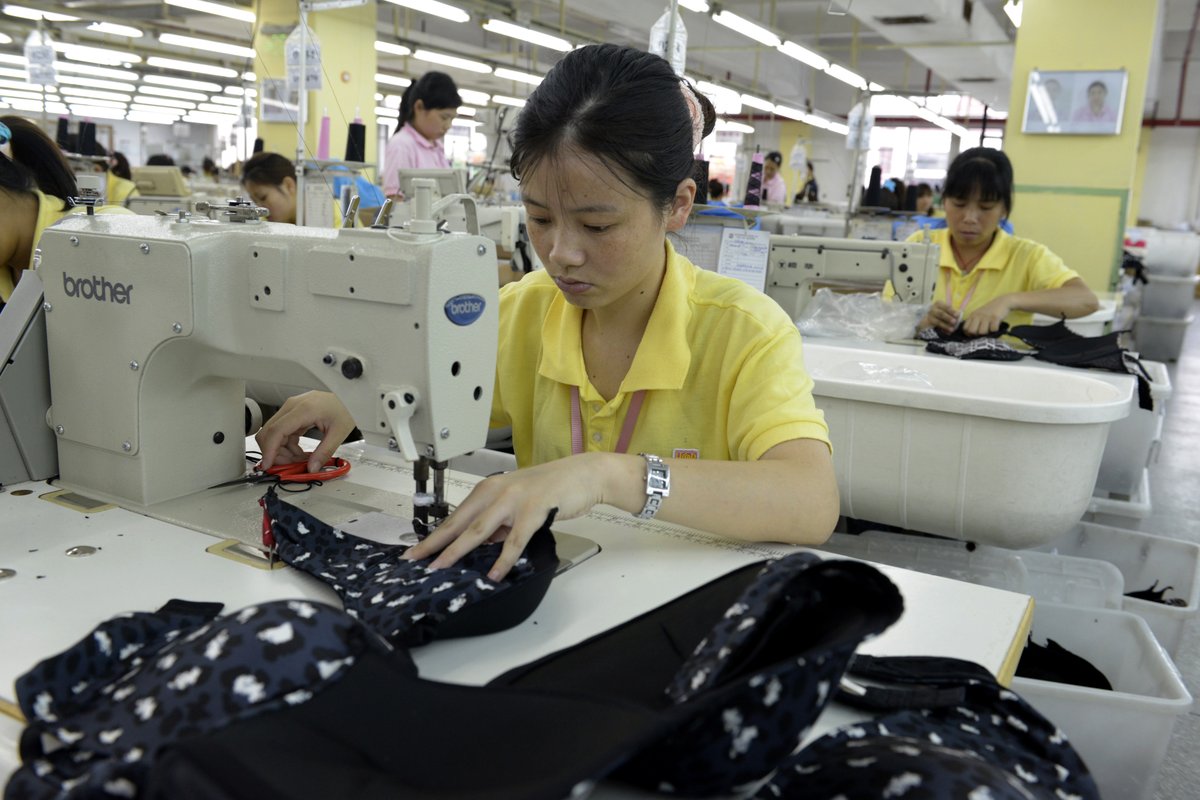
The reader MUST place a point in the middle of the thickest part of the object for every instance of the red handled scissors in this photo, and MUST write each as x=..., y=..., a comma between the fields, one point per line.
x=297, y=471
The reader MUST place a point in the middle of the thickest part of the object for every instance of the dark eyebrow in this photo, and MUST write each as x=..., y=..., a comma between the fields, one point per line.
x=596, y=209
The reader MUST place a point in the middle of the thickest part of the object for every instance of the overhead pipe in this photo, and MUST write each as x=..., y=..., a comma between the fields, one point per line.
x=1187, y=55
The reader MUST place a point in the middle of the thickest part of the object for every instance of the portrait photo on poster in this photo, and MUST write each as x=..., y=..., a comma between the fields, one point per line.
x=1087, y=102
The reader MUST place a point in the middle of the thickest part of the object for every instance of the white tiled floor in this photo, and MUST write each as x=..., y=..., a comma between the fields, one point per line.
x=1175, y=501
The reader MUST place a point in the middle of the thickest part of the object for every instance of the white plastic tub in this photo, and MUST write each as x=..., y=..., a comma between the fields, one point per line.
x=1122, y=734
x=1143, y=559
x=1172, y=252
x=1123, y=512
x=1168, y=297
x=1072, y=580
x=1094, y=324
x=995, y=453
x=1131, y=440
x=1159, y=338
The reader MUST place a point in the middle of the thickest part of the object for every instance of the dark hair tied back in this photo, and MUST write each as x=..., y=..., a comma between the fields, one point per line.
x=434, y=90
x=984, y=170
x=621, y=105
x=36, y=163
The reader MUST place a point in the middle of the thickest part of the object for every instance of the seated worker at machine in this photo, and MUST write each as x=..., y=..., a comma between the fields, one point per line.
x=270, y=180
x=924, y=201
x=716, y=193
x=988, y=276
x=119, y=185
x=37, y=189
x=774, y=188
x=621, y=336
x=427, y=110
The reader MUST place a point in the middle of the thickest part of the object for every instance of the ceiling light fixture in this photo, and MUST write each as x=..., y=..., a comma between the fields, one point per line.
x=503, y=100
x=217, y=9
x=730, y=125
x=527, y=35
x=182, y=83
x=747, y=28
x=5, y=38
x=392, y=80
x=1013, y=9
x=757, y=102
x=96, y=83
x=207, y=45
x=169, y=102
x=99, y=95
x=95, y=55
x=846, y=76
x=473, y=97
x=116, y=30
x=139, y=115
x=393, y=49
x=21, y=12
x=804, y=55
x=699, y=6
x=516, y=75
x=452, y=61
x=191, y=66
x=390, y=113
x=443, y=10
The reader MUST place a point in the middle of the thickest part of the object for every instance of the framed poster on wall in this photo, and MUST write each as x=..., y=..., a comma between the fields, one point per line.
x=1088, y=102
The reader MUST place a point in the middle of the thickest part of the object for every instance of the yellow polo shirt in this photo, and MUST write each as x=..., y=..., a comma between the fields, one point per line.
x=721, y=363
x=118, y=190
x=50, y=211
x=1010, y=265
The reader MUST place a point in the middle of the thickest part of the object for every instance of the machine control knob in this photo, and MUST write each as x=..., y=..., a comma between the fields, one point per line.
x=352, y=368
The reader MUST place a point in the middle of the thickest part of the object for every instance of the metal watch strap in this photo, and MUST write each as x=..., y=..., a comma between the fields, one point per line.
x=658, y=485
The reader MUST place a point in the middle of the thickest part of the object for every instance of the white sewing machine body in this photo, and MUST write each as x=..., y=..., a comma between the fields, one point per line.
x=154, y=324
x=798, y=265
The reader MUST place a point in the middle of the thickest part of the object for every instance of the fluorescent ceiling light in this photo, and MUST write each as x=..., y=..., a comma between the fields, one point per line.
x=527, y=35
x=17, y=73
x=757, y=102
x=152, y=119
x=1013, y=9
x=23, y=86
x=804, y=55
x=97, y=72
x=119, y=86
x=729, y=125
x=207, y=45
x=20, y=94
x=840, y=128
x=5, y=38
x=846, y=76
x=391, y=100
x=392, y=80
x=393, y=49
x=205, y=7
x=168, y=102
x=180, y=93
x=191, y=66
x=98, y=112
x=516, y=75
x=465, y=123
x=227, y=101
x=92, y=101
x=5, y=58
x=473, y=97
x=516, y=102
x=71, y=90
x=95, y=55
x=390, y=113
x=116, y=30
x=379, y=97
x=21, y=12
x=875, y=87
x=443, y=10
x=747, y=28
x=252, y=77
x=213, y=108
x=790, y=113
x=465, y=111
x=699, y=6
x=452, y=61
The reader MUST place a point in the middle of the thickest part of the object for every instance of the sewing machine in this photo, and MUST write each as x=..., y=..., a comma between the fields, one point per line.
x=154, y=324
x=799, y=265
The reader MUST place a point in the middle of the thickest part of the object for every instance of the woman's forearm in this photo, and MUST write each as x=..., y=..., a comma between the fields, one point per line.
x=789, y=495
x=1073, y=299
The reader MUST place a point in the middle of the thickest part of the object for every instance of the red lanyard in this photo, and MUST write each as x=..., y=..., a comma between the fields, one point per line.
x=971, y=291
x=635, y=408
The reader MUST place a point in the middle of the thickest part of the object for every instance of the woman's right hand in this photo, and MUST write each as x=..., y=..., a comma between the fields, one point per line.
x=941, y=316
x=279, y=438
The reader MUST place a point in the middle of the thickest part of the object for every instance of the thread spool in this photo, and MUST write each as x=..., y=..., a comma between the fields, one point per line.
x=87, y=138
x=62, y=134
x=323, y=138
x=754, y=184
x=700, y=176
x=356, y=140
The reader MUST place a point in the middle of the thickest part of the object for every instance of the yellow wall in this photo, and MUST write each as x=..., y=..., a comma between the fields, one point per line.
x=1073, y=192
x=347, y=38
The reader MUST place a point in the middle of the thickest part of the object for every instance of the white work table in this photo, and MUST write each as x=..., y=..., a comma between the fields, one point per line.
x=140, y=563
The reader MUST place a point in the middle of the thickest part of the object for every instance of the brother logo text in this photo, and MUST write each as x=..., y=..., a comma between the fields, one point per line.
x=94, y=288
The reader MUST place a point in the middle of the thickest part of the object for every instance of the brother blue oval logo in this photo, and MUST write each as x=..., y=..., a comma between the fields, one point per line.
x=463, y=309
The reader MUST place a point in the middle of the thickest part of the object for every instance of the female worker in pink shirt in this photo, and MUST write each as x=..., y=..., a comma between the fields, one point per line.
x=429, y=106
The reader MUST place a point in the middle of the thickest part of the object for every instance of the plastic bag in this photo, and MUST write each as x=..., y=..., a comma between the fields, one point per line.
x=859, y=315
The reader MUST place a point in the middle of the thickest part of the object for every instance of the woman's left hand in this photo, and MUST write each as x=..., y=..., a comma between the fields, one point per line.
x=511, y=507
x=987, y=318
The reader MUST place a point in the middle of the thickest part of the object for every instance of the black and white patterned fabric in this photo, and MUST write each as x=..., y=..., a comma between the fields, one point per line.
x=984, y=743
x=99, y=712
x=404, y=601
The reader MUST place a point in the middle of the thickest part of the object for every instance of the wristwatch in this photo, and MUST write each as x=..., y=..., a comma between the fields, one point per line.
x=658, y=485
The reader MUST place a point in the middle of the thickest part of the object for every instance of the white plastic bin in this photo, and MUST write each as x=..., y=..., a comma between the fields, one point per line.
x=1172, y=252
x=1122, y=512
x=1131, y=440
x=1071, y=580
x=1169, y=297
x=985, y=566
x=995, y=453
x=1122, y=734
x=1142, y=559
x=1159, y=338
x=1094, y=324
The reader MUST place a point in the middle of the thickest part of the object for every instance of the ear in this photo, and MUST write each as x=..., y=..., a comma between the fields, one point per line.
x=419, y=106
x=681, y=204
x=288, y=186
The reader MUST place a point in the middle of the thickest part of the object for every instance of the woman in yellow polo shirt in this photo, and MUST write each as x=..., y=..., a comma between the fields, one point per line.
x=987, y=276
x=36, y=190
x=270, y=180
x=621, y=345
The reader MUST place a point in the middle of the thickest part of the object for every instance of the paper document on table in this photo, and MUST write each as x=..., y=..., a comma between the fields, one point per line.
x=744, y=256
